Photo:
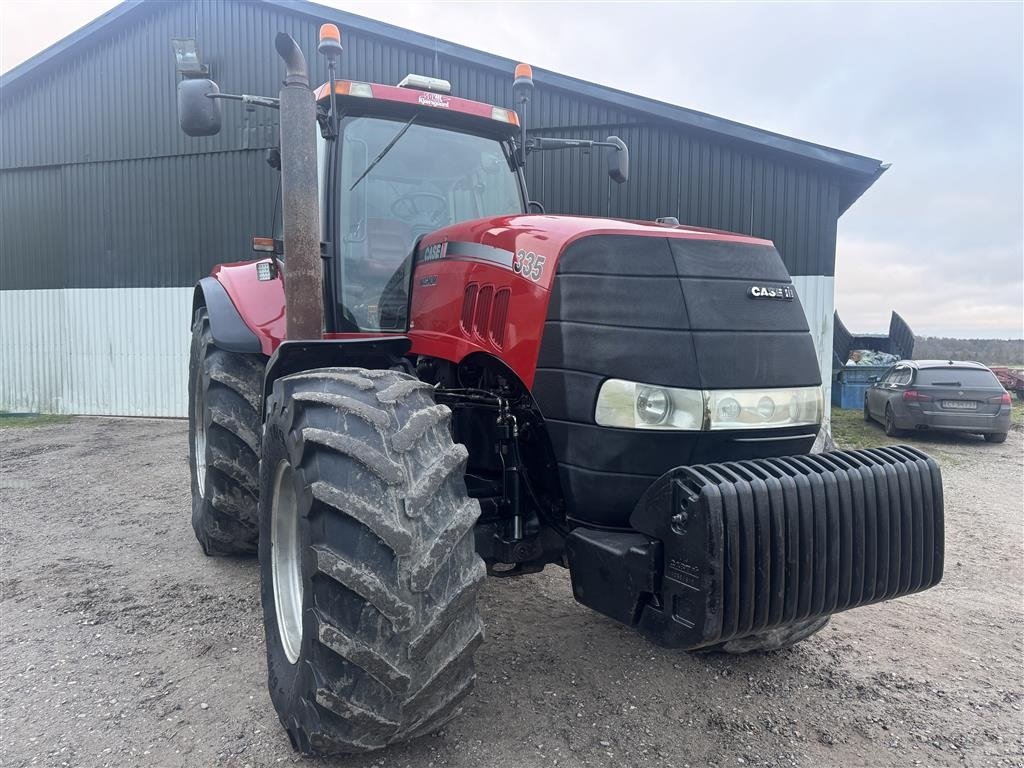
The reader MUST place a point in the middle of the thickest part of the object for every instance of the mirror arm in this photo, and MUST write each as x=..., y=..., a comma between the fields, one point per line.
x=259, y=101
x=539, y=143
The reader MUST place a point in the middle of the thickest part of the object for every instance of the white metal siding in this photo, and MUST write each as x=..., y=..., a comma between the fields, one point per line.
x=817, y=294
x=109, y=351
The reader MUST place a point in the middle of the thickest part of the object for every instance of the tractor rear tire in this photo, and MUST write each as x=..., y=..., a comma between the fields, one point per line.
x=224, y=428
x=771, y=640
x=368, y=567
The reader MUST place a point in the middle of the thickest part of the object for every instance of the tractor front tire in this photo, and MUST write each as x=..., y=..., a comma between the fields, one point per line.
x=368, y=568
x=770, y=640
x=224, y=428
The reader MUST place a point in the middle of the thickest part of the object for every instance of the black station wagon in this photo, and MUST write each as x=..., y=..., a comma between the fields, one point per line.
x=938, y=394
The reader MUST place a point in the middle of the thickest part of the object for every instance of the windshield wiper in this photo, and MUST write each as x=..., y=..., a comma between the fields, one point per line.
x=947, y=384
x=383, y=152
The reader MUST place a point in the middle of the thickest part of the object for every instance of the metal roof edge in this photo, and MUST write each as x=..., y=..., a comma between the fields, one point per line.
x=82, y=33
x=853, y=192
x=847, y=161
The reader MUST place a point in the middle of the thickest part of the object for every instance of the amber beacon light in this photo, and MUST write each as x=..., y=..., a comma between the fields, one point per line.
x=523, y=75
x=330, y=40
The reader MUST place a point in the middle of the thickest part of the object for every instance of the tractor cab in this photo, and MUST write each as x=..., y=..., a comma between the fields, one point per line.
x=396, y=163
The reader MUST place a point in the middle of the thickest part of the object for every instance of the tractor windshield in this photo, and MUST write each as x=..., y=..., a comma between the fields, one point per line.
x=397, y=181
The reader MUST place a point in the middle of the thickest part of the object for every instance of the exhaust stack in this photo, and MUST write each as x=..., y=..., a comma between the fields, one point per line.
x=303, y=270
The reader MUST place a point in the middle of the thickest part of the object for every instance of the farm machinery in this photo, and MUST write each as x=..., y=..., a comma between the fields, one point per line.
x=429, y=380
x=1012, y=379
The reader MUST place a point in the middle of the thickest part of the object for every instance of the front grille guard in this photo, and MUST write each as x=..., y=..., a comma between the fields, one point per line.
x=752, y=545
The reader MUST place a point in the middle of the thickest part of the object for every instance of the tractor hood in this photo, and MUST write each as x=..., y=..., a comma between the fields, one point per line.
x=546, y=236
x=667, y=305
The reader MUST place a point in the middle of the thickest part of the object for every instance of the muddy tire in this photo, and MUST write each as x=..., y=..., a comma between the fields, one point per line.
x=772, y=640
x=995, y=437
x=867, y=412
x=224, y=428
x=368, y=568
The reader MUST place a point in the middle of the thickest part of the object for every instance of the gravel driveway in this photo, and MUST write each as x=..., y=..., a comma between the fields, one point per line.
x=122, y=645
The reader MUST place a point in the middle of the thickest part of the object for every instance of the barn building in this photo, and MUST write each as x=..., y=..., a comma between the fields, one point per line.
x=109, y=214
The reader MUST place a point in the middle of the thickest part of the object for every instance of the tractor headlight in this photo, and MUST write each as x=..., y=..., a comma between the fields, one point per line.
x=634, y=405
x=653, y=405
x=647, y=406
x=727, y=409
x=760, y=408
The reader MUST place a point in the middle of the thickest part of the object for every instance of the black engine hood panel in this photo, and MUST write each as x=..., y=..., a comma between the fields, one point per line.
x=666, y=311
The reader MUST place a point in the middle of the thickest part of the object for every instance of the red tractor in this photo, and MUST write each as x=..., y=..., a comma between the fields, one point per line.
x=424, y=383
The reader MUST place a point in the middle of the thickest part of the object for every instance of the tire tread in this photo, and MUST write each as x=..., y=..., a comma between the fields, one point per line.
x=225, y=515
x=397, y=662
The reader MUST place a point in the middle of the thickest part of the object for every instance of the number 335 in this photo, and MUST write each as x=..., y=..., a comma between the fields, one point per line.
x=528, y=264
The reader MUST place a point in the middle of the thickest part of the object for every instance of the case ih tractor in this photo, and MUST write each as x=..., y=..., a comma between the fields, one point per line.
x=424, y=384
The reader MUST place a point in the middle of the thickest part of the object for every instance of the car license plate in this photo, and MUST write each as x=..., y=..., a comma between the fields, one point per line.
x=960, y=405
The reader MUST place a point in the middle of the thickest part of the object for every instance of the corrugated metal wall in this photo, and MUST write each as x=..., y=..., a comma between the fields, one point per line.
x=99, y=189
x=160, y=221
x=817, y=295
x=113, y=351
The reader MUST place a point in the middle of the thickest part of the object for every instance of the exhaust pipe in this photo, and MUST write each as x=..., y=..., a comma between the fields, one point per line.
x=303, y=269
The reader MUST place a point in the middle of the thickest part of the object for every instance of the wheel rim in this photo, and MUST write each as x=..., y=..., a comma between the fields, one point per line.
x=199, y=444
x=285, y=562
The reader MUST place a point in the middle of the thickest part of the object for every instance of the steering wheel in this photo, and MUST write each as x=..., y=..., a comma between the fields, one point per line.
x=413, y=207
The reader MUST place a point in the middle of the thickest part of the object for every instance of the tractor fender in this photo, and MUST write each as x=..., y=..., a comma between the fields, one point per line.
x=375, y=352
x=229, y=331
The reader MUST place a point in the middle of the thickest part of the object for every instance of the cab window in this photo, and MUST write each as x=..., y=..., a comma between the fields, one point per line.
x=398, y=181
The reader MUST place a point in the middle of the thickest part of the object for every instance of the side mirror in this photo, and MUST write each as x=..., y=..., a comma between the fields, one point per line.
x=198, y=114
x=618, y=161
x=875, y=379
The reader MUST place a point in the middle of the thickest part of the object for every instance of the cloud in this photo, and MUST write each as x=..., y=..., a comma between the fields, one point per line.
x=26, y=28
x=961, y=295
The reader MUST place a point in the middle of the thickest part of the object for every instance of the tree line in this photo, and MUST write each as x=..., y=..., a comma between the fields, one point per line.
x=987, y=351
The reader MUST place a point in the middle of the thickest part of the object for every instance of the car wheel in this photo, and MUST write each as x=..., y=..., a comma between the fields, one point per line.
x=890, y=423
x=867, y=411
x=995, y=437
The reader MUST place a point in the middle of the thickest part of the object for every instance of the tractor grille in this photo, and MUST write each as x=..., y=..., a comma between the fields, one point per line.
x=752, y=545
x=485, y=313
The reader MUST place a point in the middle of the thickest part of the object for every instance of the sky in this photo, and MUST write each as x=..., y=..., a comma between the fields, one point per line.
x=936, y=89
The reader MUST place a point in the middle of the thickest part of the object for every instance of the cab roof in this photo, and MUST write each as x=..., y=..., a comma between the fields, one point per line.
x=353, y=90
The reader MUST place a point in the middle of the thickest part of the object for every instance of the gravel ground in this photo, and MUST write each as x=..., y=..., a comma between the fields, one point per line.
x=122, y=645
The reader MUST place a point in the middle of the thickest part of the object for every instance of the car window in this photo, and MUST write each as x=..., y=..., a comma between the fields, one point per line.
x=903, y=376
x=893, y=377
x=957, y=377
